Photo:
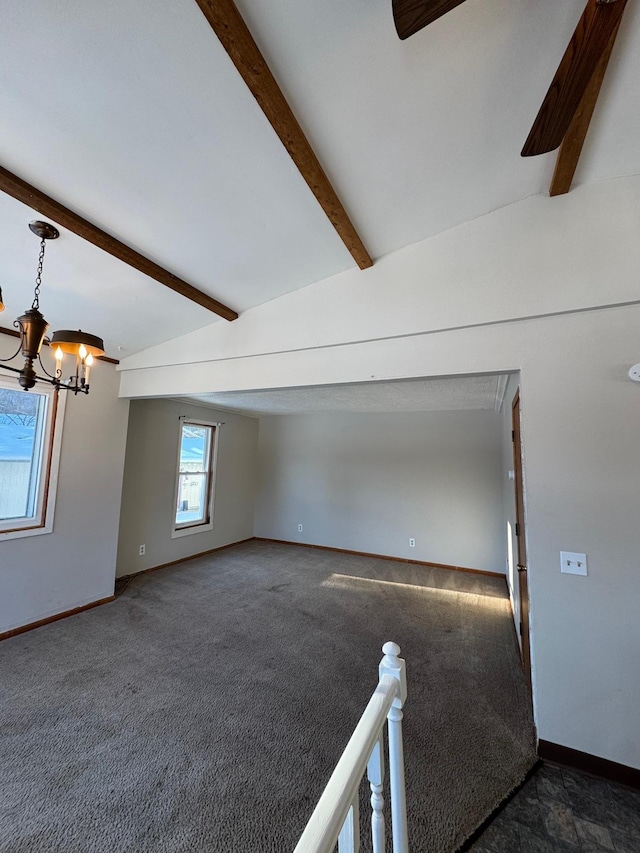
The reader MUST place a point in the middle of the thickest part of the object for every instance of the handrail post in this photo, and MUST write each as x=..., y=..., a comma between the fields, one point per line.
x=335, y=817
x=394, y=666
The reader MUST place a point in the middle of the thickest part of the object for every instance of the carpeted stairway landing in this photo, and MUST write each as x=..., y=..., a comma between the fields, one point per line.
x=205, y=708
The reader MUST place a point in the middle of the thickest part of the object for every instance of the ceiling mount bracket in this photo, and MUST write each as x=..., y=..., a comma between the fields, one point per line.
x=44, y=230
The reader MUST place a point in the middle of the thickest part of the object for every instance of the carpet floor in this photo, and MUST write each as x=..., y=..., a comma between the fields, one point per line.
x=205, y=708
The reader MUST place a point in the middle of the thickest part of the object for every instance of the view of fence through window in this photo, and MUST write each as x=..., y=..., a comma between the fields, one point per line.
x=195, y=470
x=22, y=421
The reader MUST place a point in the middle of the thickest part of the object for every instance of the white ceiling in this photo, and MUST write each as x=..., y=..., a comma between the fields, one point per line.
x=131, y=113
x=453, y=393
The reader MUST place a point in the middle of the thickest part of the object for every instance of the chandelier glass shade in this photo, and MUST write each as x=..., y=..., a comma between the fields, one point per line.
x=32, y=328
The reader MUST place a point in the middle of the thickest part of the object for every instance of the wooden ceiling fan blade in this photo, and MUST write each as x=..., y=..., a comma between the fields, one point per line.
x=599, y=21
x=410, y=16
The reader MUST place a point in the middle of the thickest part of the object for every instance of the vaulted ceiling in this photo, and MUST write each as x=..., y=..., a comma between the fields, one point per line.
x=132, y=114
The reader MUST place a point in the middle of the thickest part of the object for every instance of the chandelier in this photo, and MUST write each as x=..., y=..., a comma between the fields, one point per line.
x=32, y=328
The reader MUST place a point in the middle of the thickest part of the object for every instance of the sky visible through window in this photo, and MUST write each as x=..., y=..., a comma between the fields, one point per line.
x=192, y=448
x=21, y=422
x=18, y=421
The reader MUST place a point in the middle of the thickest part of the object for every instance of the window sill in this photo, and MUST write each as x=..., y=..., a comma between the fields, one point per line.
x=189, y=531
x=25, y=531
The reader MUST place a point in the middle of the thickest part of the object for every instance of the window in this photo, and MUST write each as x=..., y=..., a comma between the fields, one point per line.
x=194, y=488
x=30, y=436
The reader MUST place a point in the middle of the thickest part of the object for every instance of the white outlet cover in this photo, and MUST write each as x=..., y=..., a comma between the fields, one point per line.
x=634, y=372
x=572, y=563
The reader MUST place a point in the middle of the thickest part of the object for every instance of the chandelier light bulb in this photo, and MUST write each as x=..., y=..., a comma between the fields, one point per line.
x=88, y=363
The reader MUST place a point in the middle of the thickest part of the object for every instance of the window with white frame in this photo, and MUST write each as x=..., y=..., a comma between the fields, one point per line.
x=194, y=481
x=30, y=438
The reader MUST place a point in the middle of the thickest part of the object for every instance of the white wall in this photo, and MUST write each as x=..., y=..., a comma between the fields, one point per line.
x=410, y=317
x=148, y=496
x=368, y=482
x=538, y=256
x=41, y=576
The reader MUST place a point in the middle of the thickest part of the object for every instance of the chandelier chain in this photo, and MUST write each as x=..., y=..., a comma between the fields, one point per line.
x=36, y=292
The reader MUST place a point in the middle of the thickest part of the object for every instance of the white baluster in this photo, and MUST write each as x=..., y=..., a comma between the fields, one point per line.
x=392, y=665
x=375, y=774
x=349, y=838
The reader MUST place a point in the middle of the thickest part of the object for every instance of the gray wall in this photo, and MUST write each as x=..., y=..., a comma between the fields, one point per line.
x=368, y=482
x=41, y=576
x=148, y=499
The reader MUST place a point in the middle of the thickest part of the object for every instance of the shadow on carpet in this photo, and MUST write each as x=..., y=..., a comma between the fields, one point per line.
x=205, y=708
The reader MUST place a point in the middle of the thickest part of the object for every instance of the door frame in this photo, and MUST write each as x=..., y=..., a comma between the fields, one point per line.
x=521, y=544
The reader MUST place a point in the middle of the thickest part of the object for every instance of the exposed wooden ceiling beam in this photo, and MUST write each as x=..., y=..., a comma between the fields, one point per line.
x=571, y=148
x=236, y=39
x=61, y=215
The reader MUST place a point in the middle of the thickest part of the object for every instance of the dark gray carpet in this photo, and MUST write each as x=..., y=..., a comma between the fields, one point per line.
x=205, y=708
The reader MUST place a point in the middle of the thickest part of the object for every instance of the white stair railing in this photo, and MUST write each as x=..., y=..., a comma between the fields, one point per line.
x=336, y=817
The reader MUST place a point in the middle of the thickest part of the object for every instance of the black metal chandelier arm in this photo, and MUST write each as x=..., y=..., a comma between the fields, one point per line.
x=51, y=380
x=17, y=370
x=58, y=374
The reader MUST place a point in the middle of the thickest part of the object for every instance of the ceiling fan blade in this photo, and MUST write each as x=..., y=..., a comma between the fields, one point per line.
x=412, y=15
x=599, y=21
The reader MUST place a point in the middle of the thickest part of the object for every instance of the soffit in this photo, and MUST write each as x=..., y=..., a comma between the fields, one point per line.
x=408, y=395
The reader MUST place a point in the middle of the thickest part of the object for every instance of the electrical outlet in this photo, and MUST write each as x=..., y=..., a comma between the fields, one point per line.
x=141, y=550
x=412, y=542
x=299, y=528
x=572, y=563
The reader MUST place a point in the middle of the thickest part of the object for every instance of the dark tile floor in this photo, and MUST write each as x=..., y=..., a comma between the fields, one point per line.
x=564, y=811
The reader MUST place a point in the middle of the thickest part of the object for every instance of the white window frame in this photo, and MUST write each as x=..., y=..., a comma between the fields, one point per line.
x=189, y=528
x=42, y=520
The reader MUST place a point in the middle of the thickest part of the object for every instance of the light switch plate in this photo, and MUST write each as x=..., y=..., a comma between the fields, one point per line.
x=572, y=563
